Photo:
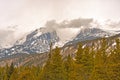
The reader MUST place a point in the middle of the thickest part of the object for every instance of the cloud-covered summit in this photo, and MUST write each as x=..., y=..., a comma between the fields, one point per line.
x=75, y=23
x=65, y=29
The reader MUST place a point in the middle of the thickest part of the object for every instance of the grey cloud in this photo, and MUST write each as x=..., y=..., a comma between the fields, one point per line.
x=5, y=33
x=115, y=25
x=6, y=37
x=80, y=22
x=75, y=23
x=51, y=25
x=111, y=25
x=64, y=29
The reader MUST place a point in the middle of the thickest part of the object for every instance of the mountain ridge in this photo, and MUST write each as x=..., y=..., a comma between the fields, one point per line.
x=39, y=59
x=39, y=40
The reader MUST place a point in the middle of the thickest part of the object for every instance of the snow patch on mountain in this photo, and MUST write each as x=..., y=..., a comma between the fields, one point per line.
x=90, y=34
x=32, y=43
x=39, y=40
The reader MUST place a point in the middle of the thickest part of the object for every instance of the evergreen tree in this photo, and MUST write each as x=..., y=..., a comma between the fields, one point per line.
x=69, y=68
x=117, y=50
x=100, y=66
x=10, y=71
x=46, y=71
x=2, y=72
x=114, y=62
x=14, y=75
x=78, y=63
x=79, y=54
x=26, y=75
x=57, y=67
x=88, y=63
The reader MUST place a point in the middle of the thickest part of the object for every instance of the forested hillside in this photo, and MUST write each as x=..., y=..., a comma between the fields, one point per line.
x=90, y=62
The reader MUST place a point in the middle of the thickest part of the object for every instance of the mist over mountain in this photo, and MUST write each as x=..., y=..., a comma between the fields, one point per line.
x=10, y=35
x=66, y=30
x=59, y=39
x=59, y=33
x=59, y=15
x=5, y=37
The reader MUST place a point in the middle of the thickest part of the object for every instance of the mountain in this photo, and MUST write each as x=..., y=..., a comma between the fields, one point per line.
x=37, y=41
x=90, y=34
x=39, y=59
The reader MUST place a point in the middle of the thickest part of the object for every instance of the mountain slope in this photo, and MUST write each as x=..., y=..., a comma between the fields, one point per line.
x=35, y=42
x=39, y=41
x=90, y=34
x=39, y=59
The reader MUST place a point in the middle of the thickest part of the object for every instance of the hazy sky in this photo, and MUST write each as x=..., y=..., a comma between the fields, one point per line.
x=30, y=14
x=17, y=17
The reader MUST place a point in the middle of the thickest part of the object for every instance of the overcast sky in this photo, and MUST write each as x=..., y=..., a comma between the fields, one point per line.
x=20, y=16
x=30, y=14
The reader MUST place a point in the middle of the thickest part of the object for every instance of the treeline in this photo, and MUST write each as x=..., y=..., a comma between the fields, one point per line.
x=94, y=62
